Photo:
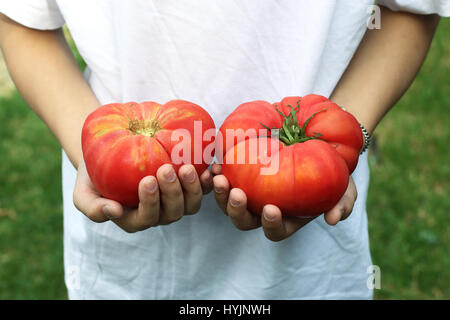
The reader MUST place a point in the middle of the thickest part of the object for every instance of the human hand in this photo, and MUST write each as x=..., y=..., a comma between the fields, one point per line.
x=164, y=199
x=276, y=228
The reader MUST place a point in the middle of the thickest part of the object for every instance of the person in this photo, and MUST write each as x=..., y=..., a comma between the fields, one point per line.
x=217, y=54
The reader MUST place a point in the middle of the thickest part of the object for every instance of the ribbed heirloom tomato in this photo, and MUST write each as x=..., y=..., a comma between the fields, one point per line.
x=305, y=169
x=122, y=143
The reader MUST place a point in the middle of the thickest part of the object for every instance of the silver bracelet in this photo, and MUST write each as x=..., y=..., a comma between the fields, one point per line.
x=366, y=138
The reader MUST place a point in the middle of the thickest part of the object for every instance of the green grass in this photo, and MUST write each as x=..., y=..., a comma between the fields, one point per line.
x=408, y=201
x=31, y=255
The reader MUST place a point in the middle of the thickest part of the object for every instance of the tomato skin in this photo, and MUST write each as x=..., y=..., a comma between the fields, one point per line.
x=313, y=175
x=117, y=158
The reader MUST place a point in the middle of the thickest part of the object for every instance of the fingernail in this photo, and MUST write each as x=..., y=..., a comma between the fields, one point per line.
x=269, y=216
x=107, y=212
x=218, y=190
x=206, y=175
x=234, y=203
x=170, y=175
x=190, y=177
x=151, y=186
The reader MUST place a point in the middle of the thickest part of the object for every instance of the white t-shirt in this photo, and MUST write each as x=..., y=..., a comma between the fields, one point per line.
x=217, y=54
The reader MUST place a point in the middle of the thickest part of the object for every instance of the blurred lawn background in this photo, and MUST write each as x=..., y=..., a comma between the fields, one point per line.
x=408, y=203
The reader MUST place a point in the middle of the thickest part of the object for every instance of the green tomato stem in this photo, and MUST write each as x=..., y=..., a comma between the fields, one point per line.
x=291, y=132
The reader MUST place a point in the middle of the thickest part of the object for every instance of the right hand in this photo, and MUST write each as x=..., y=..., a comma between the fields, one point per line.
x=163, y=199
x=233, y=202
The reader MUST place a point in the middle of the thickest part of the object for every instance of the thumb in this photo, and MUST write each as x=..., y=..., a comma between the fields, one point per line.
x=89, y=201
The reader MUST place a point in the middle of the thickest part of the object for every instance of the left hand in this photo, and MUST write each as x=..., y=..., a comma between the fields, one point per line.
x=164, y=198
x=276, y=227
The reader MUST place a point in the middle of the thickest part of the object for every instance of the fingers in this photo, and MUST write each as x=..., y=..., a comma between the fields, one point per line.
x=341, y=211
x=172, y=200
x=272, y=223
x=164, y=199
x=238, y=213
x=344, y=207
x=87, y=199
x=206, y=181
x=216, y=169
x=234, y=204
x=277, y=228
x=221, y=191
x=155, y=195
x=147, y=214
x=191, y=185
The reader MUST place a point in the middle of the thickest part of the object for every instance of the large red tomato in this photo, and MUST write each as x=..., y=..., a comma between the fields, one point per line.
x=122, y=143
x=306, y=170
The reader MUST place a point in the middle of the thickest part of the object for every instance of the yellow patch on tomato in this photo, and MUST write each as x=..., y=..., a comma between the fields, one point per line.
x=154, y=111
x=174, y=115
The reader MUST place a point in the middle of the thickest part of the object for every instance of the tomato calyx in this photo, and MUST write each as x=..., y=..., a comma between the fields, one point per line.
x=291, y=132
x=142, y=127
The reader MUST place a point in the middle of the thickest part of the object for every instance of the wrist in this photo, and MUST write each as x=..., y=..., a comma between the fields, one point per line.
x=365, y=133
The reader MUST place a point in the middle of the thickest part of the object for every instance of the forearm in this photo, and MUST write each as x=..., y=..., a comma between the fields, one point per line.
x=385, y=65
x=46, y=74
